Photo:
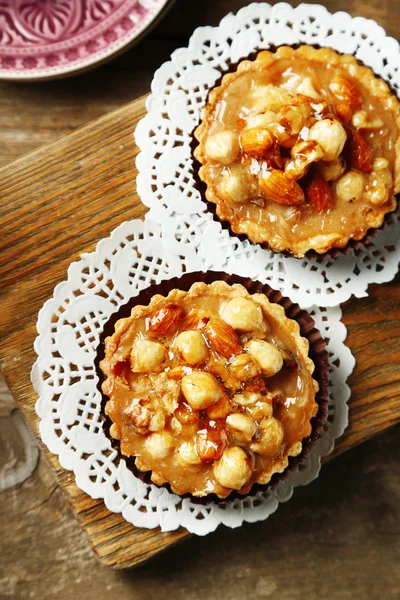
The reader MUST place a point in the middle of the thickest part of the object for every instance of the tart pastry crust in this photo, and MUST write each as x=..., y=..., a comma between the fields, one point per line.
x=211, y=390
x=237, y=173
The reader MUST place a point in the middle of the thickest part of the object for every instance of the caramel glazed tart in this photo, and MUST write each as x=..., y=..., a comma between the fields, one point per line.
x=249, y=218
x=183, y=440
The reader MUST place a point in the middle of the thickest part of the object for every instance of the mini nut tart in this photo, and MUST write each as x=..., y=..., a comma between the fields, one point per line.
x=300, y=149
x=211, y=390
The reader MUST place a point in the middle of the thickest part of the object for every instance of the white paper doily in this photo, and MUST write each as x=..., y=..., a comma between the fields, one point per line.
x=69, y=325
x=179, y=89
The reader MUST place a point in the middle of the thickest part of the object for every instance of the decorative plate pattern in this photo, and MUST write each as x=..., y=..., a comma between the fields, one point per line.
x=179, y=89
x=50, y=38
x=69, y=404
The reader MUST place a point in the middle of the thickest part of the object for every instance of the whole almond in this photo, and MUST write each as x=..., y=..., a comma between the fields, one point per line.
x=357, y=152
x=276, y=186
x=344, y=112
x=256, y=141
x=164, y=319
x=346, y=91
x=319, y=194
x=195, y=319
x=222, y=337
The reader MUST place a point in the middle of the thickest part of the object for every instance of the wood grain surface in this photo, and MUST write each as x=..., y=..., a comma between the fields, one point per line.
x=59, y=201
x=56, y=203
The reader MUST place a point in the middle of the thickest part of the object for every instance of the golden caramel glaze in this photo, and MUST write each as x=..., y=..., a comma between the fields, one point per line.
x=300, y=149
x=211, y=389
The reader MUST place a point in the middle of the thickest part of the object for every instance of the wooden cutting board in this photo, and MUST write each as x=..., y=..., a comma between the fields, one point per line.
x=56, y=203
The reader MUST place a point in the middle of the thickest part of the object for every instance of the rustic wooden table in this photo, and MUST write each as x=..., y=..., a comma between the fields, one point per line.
x=339, y=537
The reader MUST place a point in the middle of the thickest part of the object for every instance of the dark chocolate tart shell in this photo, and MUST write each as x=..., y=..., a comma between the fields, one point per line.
x=354, y=245
x=317, y=353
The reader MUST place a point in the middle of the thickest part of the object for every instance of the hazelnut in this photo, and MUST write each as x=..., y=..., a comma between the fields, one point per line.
x=192, y=347
x=350, y=186
x=201, y=390
x=243, y=314
x=237, y=186
x=147, y=356
x=233, y=470
x=187, y=453
x=222, y=147
x=160, y=445
x=242, y=427
x=271, y=437
x=333, y=169
x=268, y=356
x=330, y=135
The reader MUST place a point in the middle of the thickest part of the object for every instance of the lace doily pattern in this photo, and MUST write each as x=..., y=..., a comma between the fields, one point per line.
x=179, y=90
x=69, y=325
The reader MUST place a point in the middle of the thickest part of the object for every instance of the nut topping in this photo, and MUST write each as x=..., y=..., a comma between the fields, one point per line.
x=256, y=141
x=344, y=112
x=292, y=111
x=245, y=367
x=233, y=470
x=222, y=337
x=191, y=347
x=211, y=442
x=200, y=389
x=346, y=91
x=221, y=409
x=333, y=169
x=319, y=194
x=223, y=147
x=186, y=415
x=276, y=186
x=303, y=155
x=357, y=152
x=192, y=415
x=330, y=135
x=164, y=319
x=242, y=427
x=243, y=314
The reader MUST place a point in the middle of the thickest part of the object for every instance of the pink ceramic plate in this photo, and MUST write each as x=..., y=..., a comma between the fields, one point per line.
x=52, y=38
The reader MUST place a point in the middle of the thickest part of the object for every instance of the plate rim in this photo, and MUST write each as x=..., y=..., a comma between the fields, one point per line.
x=112, y=51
